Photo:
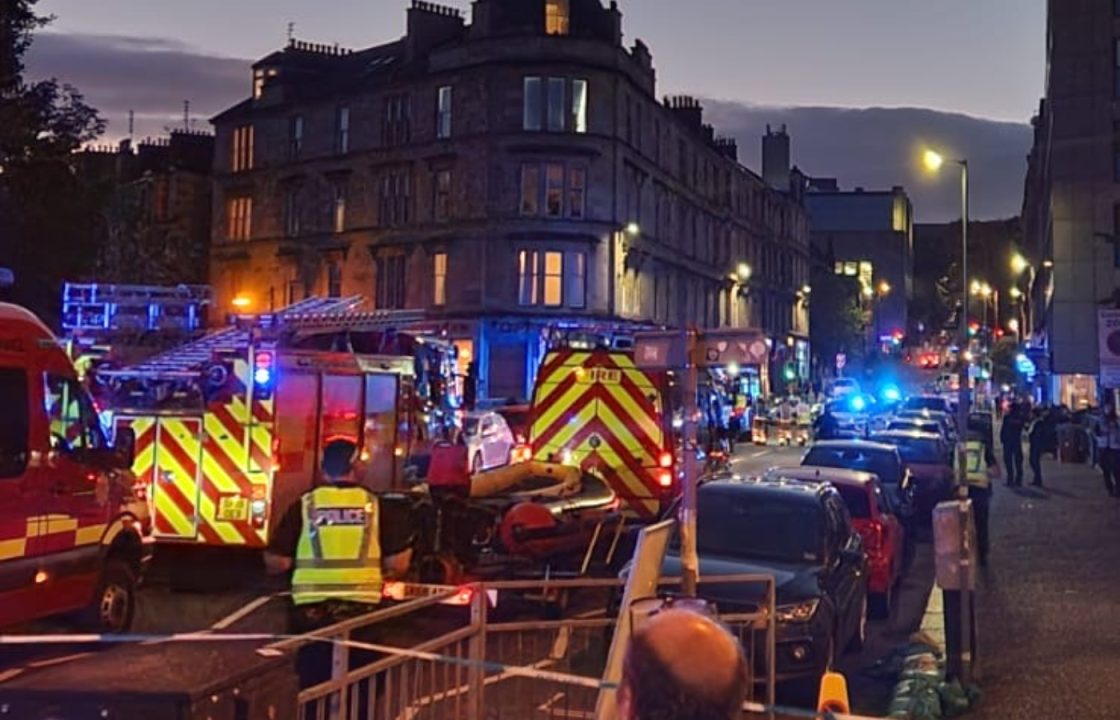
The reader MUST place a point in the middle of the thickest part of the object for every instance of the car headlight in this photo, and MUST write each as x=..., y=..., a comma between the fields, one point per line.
x=798, y=612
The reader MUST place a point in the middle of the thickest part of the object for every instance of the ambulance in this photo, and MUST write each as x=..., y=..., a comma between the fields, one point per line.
x=592, y=408
x=70, y=527
x=230, y=428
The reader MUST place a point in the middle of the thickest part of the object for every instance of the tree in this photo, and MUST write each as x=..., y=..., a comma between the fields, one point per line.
x=1003, y=362
x=836, y=319
x=48, y=213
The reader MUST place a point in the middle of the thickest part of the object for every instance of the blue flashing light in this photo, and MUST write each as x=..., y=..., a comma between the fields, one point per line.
x=891, y=393
x=262, y=376
x=1025, y=365
x=858, y=404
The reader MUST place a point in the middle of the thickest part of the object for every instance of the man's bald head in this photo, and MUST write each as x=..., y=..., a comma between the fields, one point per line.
x=683, y=666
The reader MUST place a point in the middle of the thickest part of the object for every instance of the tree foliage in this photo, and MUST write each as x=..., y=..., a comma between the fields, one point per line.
x=48, y=212
x=836, y=319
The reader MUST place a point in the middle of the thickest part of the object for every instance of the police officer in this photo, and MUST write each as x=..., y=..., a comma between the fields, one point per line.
x=338, y=545
x=980, y=467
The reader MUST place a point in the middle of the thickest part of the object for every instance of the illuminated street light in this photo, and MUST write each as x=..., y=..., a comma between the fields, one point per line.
x=1016, y=293
x=1019, y=264
x=241, y=302
x=744, y=271
x=868, y=292
x=884, y=288
x=805, y=290
x=1047, y=264
x=1013, y=325
x=633, y=229
x=974, y=288
x=932, y=160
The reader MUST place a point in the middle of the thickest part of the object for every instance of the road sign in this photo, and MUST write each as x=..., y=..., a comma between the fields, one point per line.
x=714, y=348
x=1108, y=342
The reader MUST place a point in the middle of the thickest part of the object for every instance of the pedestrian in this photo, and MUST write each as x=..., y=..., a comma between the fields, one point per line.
x=681, y=665
x=1107, y=434
x=980, y=469
x=1043, y=437
x=827, y=426
x=338, y=542
x=1011, y=437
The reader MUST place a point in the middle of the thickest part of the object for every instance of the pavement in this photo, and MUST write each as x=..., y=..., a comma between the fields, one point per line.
x=1047, y=603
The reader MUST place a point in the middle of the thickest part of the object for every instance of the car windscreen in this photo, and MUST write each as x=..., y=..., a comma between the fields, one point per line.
x=747, y=525
x=881, y=463
x=855, y=498
x=916, y=450
x=470, y=426
x=925, y=403
x=14, y=422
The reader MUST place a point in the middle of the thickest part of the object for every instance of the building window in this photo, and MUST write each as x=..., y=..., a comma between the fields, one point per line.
x=851, y=269
x=242, y=159
x=530, y=188
x=556, y=103
x=441, y=202
x=342, y=141
x=292, y=212
x=554, y=190
x=261, y=77
x=395, y=200
x=443, y=112
x=557, y=17
x=295, y=137
x=239, y=218
x=577, y=192
x=439, y=279
x=338, y=207
x=551, y=278
x=390, y=282
x=396, y=124
x=334, y=280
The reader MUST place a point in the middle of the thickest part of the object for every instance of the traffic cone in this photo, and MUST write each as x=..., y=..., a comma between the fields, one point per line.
x=834, y=694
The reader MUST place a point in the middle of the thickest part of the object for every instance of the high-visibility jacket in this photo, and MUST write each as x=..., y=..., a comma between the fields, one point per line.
x=339, y=552
x=975, y=469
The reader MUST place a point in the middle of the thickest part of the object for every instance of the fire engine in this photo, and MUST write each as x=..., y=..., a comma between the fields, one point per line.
x=594, y=409
x=229, y=428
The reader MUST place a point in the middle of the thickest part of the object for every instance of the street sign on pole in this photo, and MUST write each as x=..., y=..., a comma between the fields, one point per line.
x=1108, y=342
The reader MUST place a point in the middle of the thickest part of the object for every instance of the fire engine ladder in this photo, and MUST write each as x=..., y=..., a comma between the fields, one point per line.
x=310, y=321
x=186, y=360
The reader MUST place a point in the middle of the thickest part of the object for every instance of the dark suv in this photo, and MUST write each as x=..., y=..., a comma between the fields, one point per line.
x=801, y=534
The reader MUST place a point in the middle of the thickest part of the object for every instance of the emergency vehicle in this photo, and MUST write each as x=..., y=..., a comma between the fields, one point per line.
x=229, y=428
x=594, y=409
x=70, y=529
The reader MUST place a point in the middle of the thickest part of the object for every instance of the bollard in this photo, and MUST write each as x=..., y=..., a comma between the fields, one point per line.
x=954, y=541
x=833, y=697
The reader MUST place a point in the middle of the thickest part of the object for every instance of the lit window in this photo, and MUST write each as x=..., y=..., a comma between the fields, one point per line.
x=554, y=190
x=532, y=104
x=557, y=17
x=439, y=279
x=553, y=276
x=839, y=268
x=577, y=192
x=295, y=138
x=443, y=112
x=338, y=207
x=441, y=202
x=242, y=155
x=239, y=218
x=866, y=273
x=851, y=269
x=578, y=120
x=343, y=142
x=530, y=189
x=527, y=277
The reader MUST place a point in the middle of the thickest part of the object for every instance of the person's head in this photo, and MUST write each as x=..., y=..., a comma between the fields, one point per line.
x=338, y=461
x=682, y=666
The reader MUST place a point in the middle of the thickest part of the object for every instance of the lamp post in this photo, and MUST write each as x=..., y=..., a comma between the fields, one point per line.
x=933, y=162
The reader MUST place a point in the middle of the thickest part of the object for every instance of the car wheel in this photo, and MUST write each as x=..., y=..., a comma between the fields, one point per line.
x=879, y=604
x=476, y=464
x=114, y=602
x=855, y=645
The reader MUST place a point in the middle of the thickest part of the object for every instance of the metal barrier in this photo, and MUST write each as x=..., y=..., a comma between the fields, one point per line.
x=488, y=670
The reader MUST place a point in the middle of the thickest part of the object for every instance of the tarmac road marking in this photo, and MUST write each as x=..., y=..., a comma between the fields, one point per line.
x=9, y=674
x=246, y=609
x=58, y=660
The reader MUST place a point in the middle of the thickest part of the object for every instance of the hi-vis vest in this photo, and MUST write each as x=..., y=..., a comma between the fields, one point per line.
x=339, y=551
x=975, y=469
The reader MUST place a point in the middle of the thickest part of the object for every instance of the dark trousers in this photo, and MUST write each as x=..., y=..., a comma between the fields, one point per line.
x=981, y=503
x=1036, y=462
x=1013, y=461
x=1108, y=461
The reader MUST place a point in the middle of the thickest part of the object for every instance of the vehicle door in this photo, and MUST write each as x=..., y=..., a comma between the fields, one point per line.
x=340, y=411
x=503, y=438
x=79, y=473
x=488, y=434
x=892, y=528
x=846, y=568
x=22, y=496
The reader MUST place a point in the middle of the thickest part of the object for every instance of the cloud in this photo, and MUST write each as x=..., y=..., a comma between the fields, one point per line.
x=150, y=76
x=877, y=148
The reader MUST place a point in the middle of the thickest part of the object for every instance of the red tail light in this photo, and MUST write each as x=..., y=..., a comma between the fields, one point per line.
x=665, y=478
x=666, y=459
x=873, y=537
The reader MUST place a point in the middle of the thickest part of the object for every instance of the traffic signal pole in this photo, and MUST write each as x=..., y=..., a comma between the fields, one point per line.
x=690, y=557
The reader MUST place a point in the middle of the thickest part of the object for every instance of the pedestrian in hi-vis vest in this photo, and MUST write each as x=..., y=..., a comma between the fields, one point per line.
x=980, y=469
x=339, y=542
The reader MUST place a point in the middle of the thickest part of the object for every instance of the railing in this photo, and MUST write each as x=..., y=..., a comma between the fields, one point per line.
x=491, y=670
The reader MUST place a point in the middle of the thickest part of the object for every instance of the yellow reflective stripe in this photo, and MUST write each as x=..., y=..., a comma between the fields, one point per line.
x=554, y=410
x=208, y=513
x=89, y=535
x=231, y=445
x=646, y=424
x=573, y=425
x=14, y=548
x=59, y=524
x=169, y=511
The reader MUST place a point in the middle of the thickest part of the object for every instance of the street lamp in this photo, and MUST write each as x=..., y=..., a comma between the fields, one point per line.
x=933, y=161
x=633, y=229
x=884, y=288
x=744, y=272
x=1019, y=264
x=241, y=302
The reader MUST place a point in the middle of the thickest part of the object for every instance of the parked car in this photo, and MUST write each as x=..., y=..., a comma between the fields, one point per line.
x=947, y=421
x=929, y=461
x=489, y=441
x=879, y=459
x=874, y=518
x=927, y=402
x=801, y=534
x=842, y=387
x=917, y=425
x=519, y=419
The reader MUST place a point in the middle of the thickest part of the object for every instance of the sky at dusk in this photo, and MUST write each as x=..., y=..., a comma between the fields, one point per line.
x=982, y=58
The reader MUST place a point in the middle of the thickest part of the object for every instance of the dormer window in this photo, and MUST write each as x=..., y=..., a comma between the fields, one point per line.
x=557, y=17
x=261, y=76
